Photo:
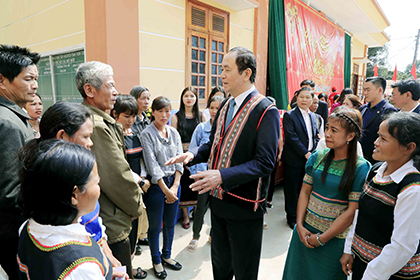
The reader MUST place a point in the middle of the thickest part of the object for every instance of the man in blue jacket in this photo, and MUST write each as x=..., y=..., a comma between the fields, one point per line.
x=373, y=113
x=242, y=154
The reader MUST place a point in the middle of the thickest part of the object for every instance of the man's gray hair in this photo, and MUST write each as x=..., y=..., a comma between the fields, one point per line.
x=93, y=73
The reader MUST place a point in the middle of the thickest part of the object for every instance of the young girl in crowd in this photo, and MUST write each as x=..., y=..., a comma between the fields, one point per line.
x=352, y=101
x=200, y=136
x=125, y=112
x=185, y=121
x=142, y=96
x=300, y=139
x=160, y=143
x=340, y=99
x=329, y=197
x=216, y=91
x=34, y=110
x=384, y=238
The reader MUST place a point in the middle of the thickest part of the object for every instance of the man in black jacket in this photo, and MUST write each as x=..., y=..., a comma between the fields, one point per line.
x=18, y=85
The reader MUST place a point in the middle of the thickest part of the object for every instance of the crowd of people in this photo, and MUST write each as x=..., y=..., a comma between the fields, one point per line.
x=84, y=185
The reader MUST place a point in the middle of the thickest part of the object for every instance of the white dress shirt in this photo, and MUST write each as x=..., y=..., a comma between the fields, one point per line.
x=308, y=123
x=240, y=99
x=406, y=234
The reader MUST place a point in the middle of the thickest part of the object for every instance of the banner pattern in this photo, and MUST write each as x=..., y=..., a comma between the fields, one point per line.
x=314, y=49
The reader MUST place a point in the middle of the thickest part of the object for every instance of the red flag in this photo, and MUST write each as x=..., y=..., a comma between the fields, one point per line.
x=394, y=78
x=413, y=71
x=375, y=70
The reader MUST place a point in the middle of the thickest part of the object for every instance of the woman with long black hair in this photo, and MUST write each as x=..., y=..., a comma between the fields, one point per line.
x=185, y=121
x=327, y=202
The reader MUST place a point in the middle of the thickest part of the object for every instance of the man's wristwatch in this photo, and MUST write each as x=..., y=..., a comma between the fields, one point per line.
x=141, y=184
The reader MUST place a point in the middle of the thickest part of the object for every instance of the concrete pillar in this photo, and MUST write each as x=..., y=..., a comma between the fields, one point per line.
x=112, y=37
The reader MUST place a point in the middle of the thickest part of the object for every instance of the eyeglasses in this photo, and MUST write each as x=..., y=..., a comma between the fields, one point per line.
x=110, y=86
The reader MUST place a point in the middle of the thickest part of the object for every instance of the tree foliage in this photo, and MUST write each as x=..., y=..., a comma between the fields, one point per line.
x=379, y=55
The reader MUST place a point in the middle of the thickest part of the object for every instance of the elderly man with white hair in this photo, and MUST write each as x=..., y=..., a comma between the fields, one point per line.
x=120, y=198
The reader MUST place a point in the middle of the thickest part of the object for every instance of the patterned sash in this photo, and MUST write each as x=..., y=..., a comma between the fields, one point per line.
x=221, y=151
x=368, y=251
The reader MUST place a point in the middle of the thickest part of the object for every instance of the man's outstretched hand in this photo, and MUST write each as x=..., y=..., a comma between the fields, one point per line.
x=184, y=158
x=206, y=181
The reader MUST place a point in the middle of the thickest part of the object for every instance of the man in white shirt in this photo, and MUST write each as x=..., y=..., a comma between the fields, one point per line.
x=406, y=95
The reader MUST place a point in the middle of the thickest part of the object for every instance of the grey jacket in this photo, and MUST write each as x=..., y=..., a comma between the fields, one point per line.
x=14, y=132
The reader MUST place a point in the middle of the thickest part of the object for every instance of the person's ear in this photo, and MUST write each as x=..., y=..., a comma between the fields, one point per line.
x=114, y=114
x=2, y=81
x=350, y=136
x=410, y=148
x=89, y=90
x=75, y=196
x=409, y=95
x=247, y=73
x=62, y=135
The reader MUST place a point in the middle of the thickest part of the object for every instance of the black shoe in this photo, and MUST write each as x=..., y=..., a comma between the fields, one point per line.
x=144, y=242
x=160, y=275
x=139, y=250
x=269, y=205
x=140, y=274
x=176, y=266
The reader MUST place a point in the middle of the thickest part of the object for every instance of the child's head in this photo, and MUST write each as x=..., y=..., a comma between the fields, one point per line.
x=214, y=105
x=125, y=110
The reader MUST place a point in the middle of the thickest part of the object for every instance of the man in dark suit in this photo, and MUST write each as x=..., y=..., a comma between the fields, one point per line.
x=299, y=142
x=242, y=154
x=406, y=95
x=373, y=113
x=322, y=106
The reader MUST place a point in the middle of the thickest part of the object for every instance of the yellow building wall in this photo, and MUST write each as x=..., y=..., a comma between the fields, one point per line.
x=162, y=27
x=162, y=47
x=358, y=51
x=372, y=11
x=42, y=25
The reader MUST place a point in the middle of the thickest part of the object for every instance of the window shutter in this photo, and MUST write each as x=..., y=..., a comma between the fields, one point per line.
x=218, y=24
x=198, y=17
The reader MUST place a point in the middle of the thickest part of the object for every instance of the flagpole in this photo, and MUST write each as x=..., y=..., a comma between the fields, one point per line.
x=417, y=47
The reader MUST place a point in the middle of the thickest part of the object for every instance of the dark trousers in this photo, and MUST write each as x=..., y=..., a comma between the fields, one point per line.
x=158, y=210
x=203, y=202
x=122, y=252
x=8, y=254
x=235, y=248
x=133, y=234
x=293, y=179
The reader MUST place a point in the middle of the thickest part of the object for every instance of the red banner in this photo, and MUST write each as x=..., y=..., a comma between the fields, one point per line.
x=314, y=49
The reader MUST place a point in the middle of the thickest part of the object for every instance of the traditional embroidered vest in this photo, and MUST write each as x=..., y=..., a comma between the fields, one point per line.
x=375, y=221
x=56, y=262
x=224, y=153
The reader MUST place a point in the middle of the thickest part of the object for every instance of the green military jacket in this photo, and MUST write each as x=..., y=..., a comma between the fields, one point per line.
x=120, y=198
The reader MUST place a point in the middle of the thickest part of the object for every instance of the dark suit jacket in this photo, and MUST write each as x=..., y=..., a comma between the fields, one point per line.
x=417, y=109
x=323, y=111
x=262, y=160
x=296, y=138
x=370, y=129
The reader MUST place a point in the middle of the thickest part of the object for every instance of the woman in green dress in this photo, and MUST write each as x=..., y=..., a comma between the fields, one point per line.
x=327, y=202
